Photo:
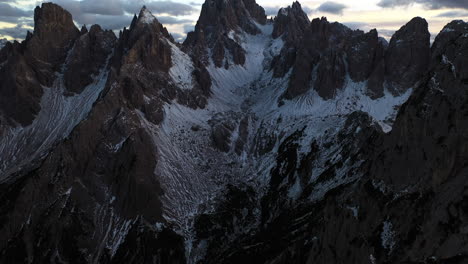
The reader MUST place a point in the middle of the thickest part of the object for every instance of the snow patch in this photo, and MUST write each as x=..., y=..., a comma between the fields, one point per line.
x=58, y=116
x=182, y=68
x=388, y=236
x=146, y=16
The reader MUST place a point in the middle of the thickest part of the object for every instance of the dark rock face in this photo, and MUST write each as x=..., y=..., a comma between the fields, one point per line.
x=290, y=24
x=365, y=58
x=321, y=40
x=54, y=34
x=408, y=55
x=324, y=47
x=87, y=57
x=217, y=19
x=101, y=177
x=34, y=63
x=330, y=75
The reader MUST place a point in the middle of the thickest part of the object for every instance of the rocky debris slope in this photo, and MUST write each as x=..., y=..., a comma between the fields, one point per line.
x=39, y=109
x=254, y=141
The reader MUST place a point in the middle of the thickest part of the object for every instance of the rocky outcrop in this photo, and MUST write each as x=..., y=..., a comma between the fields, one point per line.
x=324, y=46
x=88, y=56
x=408, y=55
x=290, y=24
x=33, y=64
x=218, y=21
x=54, y=34
x=321, y=40
x=365, y=58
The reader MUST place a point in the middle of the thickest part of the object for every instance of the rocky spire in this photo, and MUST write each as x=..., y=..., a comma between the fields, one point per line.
x=145, y=42
x=33, y=63
x=321, y=47
x=291, y=22
x=217, y=19
x=408, y=55
x=365, y=58
x=88, y=57
x=52, y=22
x=54, y=33
x=449, y=33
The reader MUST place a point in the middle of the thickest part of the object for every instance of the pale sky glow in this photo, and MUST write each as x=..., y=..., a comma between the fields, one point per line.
x=180, y=16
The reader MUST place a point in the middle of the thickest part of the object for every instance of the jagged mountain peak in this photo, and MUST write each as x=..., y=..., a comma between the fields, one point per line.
x=416, y=27
x=146, y=16
x=290, y=21
x=51, y=19
x=408, y=55
x=449, y=33
x=218, y=18
x=144, y=24
x=293, y=9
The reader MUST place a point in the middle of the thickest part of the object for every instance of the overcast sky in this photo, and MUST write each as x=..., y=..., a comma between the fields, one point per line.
x=179, y=16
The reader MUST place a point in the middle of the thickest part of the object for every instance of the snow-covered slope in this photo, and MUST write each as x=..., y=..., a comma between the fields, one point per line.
x=21, y=146
x=245, y=101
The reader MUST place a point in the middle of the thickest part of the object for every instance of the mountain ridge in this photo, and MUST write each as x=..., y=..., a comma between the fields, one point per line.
x=252, y=132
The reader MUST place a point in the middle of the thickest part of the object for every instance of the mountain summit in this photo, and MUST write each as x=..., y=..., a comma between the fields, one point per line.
x=218, y=20
x=255, y=141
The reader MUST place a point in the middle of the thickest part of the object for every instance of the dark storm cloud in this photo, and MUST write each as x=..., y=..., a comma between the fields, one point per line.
x=109, y=14
x=188, y=28
x=332, y=8
x=11, y=11
x=168, y=20
x=178, y=37
x=101, y=7
x=160, y=7
x=14, y=15
x=357, y=25
x=273, y=10
x=116, y=14
x=453, y=14
x=431, y=4
x=386, y=33
x=105, y=21
x=15, y=32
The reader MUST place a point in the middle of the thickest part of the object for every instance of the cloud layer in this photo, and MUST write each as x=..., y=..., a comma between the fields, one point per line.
x=431, y=4
x=110, y=14
x=332, y=8
x=329, y=7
